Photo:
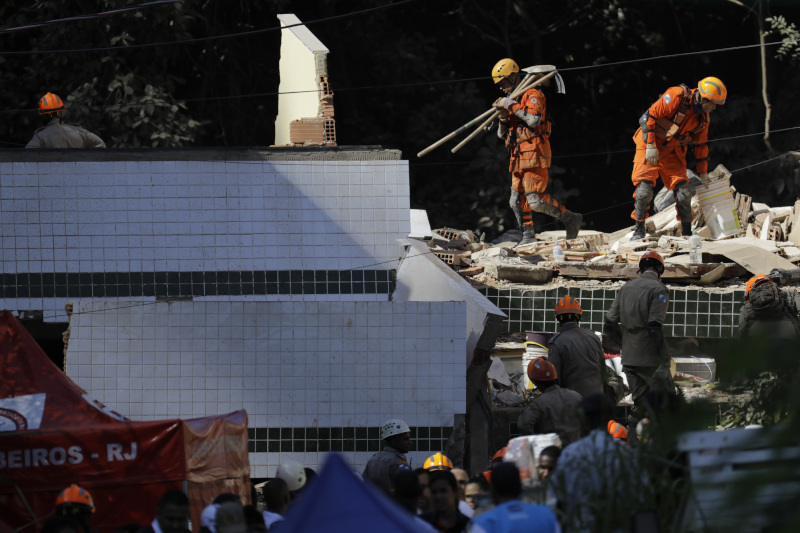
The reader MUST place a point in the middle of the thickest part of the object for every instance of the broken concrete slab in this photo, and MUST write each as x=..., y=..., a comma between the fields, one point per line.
x=672, y=271
x=516, y=270
x=496, y=251
x=755, y=259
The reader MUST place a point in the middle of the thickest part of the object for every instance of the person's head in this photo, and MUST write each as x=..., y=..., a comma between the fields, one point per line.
x=548, y=460
x=651, y=261
x=51, y=106
x=397, y=434
x=173, y=512
x=710, y=93
x=75, y=502
x=230, y=518
x=227, y=497
x=461, y=478
x=475, y=487
x=276, y=496
x=506, y=75
x=754, y=282
x=595, y=410
x=542, y=373
x=506, y=483
x=444, y=492
x=438, y=461
x=253, y=519
x=568, y=309
x=208, y=518
x=406, y=490
x=294, y=474
x=64, y=524
x=424, y=501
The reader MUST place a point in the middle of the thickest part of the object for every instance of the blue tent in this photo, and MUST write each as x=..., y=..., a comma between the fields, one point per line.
x=338, y=501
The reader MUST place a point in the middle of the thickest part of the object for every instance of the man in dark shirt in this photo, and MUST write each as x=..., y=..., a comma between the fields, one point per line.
x=553, y=411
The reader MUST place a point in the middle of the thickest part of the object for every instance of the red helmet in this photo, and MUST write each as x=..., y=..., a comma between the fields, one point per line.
x=758, y=279
x=50, y=103
x=540, y=369
x=651, y=259
x=75, y=496
x=617, y=430
x=568, y=305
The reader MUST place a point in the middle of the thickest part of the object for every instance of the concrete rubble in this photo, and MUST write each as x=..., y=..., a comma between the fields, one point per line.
x=753, y=239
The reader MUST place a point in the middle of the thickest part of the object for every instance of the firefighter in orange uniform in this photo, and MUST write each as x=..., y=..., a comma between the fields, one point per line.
x=525, y=127
x=678, y=119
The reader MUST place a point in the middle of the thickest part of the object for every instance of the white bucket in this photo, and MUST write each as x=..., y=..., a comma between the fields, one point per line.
x=533, y=350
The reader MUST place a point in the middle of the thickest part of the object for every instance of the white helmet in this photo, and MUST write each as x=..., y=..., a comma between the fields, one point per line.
x=293, y=473
x=394, y=426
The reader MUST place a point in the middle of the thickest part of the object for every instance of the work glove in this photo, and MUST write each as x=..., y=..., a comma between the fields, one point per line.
x=704, y=178
x=503, y=105
x=651, y=154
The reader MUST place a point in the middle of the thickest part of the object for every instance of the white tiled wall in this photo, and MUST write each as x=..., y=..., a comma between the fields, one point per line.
x=289, y=364
x=147, y=216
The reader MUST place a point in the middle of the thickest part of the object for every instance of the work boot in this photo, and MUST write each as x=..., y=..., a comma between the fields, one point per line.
x=528, y=236
x=686, y=229
x=572, y=223
x=639, y=232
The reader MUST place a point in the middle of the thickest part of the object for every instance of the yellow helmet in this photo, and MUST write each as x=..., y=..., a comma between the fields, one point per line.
x=713, y=89
x=438, y=461
x=503, y=69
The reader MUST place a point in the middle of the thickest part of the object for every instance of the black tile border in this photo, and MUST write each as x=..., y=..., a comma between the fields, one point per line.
x=340, y=439
x=165, y=284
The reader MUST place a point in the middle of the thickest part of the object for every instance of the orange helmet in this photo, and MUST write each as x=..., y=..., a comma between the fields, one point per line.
x=568, y=305
x=438, y=461
x=74, y=496
x=50, y=103
x=758, y=279
x=540, y=369
x=617, y=430
x=498, y=457
x=713, y=89
x=651, y=259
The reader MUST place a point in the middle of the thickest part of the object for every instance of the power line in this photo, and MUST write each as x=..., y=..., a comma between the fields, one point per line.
x=89, y=16
x=210, y=38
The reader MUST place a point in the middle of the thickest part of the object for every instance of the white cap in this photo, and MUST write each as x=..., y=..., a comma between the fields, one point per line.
x=293, y=473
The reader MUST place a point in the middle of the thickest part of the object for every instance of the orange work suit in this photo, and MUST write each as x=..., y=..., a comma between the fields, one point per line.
x=671, y=165
x=530, y=158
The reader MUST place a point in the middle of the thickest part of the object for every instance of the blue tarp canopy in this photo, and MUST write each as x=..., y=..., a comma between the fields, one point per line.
x=338, y=501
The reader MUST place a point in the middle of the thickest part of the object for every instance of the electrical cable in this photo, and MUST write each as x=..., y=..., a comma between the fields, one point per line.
x=88, y=16
x=210, y=38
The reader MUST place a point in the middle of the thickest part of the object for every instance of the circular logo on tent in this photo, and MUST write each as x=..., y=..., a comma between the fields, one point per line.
x=12, y=421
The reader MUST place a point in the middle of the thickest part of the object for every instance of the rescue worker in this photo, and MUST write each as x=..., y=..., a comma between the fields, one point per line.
x=76, y=502
x=294, y=474
x=57, y=134
x=525, y=127
x=497, y=458
x=382, y=466
x=633, y=326
x=677, y=120
x=553, y=411
x=576, y=353
x=768, y=311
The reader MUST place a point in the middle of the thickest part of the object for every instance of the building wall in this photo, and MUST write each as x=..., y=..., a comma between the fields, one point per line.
x=200, y=226
x=693, y=312
x=313, y=376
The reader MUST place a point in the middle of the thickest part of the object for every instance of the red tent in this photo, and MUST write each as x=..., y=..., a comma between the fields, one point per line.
x=53, y=434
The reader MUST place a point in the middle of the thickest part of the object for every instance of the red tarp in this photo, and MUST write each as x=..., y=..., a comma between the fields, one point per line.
x=52, y=435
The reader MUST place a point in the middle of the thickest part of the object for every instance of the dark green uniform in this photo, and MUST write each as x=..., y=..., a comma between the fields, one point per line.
x=577, y=355
x=59, y=135
x=770, y=312
x=553, y=411
x=636, y=316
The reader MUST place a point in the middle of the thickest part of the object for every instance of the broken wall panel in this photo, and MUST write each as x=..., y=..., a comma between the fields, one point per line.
x=313, y=376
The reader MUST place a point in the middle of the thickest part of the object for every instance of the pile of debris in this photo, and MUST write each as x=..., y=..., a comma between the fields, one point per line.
x=738, y=238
